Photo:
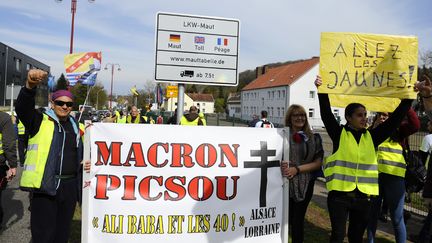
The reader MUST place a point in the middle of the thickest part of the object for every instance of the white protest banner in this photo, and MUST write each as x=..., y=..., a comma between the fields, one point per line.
x=161, y=183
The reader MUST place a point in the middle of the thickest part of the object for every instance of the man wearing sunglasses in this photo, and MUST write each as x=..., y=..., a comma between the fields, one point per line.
x=52, y=167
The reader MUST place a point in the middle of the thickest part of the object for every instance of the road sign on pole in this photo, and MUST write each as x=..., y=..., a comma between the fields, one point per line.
x=197, y=50
x=171, y=91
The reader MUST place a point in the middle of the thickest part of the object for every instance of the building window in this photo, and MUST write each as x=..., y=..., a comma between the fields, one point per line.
x=203, y=110
x=283, y=111
x=28, y=66
x=203, y=104
x=311, y=112
x=268, y=94
x=278, y=110
x=283, y=93
x=279, y=94
x=272, y=95
x=312, y=94
x=17, y=64
x=272, y=112
x=336, y=112
x=262, y=101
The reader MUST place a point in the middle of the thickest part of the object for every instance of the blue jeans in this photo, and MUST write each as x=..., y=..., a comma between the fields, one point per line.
x=392, y=189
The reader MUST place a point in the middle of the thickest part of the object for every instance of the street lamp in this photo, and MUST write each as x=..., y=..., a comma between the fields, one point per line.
x=73, y=11
x=112, y=78
x=97, y=99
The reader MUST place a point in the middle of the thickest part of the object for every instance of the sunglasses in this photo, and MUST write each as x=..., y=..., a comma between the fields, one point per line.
x=62, y=103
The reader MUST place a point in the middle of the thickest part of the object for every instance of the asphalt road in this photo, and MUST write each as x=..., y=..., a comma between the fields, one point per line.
x=16, y=221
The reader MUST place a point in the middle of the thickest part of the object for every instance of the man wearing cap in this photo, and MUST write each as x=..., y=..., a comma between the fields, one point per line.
x=52, y=167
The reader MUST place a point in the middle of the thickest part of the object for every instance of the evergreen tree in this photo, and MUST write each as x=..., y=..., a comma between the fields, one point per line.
x=62, y=83
x=80, y=92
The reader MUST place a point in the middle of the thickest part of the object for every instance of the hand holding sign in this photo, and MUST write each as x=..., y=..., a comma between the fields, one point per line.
x=35, y=77
x=425, y=89
x=318, y=81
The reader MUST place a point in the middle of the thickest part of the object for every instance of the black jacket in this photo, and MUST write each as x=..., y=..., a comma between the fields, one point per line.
x=8, y=141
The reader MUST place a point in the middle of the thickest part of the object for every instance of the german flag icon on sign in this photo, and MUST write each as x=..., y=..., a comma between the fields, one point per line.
x=174, y=38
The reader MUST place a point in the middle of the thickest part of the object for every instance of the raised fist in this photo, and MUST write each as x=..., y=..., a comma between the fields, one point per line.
x=35, y=77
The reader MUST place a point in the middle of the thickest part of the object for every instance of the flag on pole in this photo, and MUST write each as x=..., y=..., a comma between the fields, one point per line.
x=159, y=94
x=134, y=91
x=82, y=67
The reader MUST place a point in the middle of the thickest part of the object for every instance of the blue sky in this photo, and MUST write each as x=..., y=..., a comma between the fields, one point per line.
x=271, y=31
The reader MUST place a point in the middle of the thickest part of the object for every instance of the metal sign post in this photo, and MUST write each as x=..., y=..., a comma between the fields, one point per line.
x=180, y=102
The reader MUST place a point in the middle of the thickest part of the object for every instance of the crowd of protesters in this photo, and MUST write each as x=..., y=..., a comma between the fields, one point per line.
x=365, y=169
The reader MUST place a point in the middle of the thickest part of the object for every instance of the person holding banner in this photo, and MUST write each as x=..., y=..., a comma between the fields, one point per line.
x=305, y=157
x=391, y=168
x=351, y=172
x=52, y=169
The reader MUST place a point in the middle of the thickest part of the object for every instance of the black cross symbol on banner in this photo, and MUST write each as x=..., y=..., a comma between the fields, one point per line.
x=263, y=164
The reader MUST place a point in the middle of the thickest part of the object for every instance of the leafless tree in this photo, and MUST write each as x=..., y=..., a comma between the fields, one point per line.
x=426, y=58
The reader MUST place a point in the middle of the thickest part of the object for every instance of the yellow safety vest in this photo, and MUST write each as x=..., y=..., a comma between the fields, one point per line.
x=204, y=122
x=129, y=119
x=21, y=128
x=117, y=116
x=1, y=144
x=353, y=165
x=37, y=155
x=185, y=122
x=121, y=120
x=390, y=158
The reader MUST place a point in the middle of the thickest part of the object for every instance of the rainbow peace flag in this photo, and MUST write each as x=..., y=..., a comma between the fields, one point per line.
x=82, y=67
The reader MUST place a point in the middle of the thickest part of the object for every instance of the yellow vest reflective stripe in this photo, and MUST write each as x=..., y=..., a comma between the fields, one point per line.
x=1, y=144
x=353, y=165
x=390, y=158
x=129, y=119
x=185, y=122
x=121, y=120
x=21, y=128
x=37, y=154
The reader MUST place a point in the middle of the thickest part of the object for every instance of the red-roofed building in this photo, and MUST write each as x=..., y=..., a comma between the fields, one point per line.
x=275, y=89
x=204, y=102
x=234, y=105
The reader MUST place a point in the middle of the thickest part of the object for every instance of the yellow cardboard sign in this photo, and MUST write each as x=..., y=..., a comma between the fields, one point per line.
x=368, y=65
x=172, y=91
x=377, y=104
